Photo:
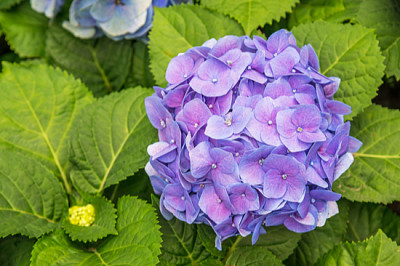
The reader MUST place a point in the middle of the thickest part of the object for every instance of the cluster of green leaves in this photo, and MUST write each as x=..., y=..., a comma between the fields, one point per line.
x=74, y=131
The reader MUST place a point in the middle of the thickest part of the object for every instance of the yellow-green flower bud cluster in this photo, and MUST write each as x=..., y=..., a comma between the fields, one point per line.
x=82, y=215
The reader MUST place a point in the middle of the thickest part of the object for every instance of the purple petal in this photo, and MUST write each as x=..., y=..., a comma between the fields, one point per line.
x=179, y=69
x=212, y=205
x=200, y=160
x=274, y=186
x=284, y=62
x=217, y=128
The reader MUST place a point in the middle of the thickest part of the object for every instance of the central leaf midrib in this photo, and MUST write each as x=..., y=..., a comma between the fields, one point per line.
x=45, y=137
x=28, y=213
x=100, y=69
x=106, y=175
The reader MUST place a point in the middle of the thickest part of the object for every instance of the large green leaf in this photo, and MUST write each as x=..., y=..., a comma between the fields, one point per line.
x=178, y=28
x=16, y=251
x=279, y=240
x=312, y=10
x=350, y=52
x=110, y=141
x=252, y=256
x=181, y=242
x=137, y=243
x=32, y=201
x=39, y=104
x=140, y=71
x=103, y=225
x=374, y=175
x=5, y=4
x=378, y=250
x=137, y=185
x=366, y=218
x=384, y=17
x=337, y=11
x=317, y=242
x=25, y=30
x=102, y=64
x=252, y=13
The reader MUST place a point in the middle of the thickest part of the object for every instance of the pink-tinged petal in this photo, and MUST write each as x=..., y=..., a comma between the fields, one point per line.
x=213, y=79
x=284, y=62
x=179, y=69
x=278, y=41
x=255, y=127
x=263, y=111
x=240, y=118
x=284, y=123
x=311, y=137
x=224, y=160
x=274, y=185
x=255, y=76
x=213, y=206
x=217, y=128
x=337, y=107
x=285, y=101
x=200, y=160
x=174, y=196
x=294, y=144
x=278, y=88
x=226, y=44
x=224, y=103
x=304, y=98
x=308, y=117
x=270, y=135
x=296, y=188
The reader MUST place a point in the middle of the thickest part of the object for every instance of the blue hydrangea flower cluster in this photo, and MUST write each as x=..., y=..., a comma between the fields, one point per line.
x=48, y=7
x=249, y=135
x=118, y=19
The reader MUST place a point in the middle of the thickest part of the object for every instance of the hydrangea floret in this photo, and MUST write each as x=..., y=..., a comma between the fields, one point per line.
x=249, y=136
x=118, y=19
x=48, y=7
x=82, y=215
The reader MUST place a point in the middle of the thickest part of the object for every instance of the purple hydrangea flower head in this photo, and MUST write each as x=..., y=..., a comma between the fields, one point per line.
x=48, y=7
x=118, y=19
x=249, y=136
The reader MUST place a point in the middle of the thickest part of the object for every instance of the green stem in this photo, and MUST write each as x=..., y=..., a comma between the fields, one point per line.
x=232, y=249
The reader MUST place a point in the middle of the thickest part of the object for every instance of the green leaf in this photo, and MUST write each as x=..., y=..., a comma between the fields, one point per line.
x=32, y=201
x=207, y=237
x=102, y=64
x=178, y=28
x=25, y=30
x=384, y=17
x=110, y=142
x=6, y=4
x=322, y=239
x=252, y=13
x=103, y=225
x=181, y=243
x=16, y=251
x=349, y=13
x=140, y=72
x=137, y=243
x=350, y=52
x=279, y=240
x=137, y=185
x=374, y=175
x=366, y=218
x=378, y=250
x=312, y=10
x=252, y=256
x=39, y=104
